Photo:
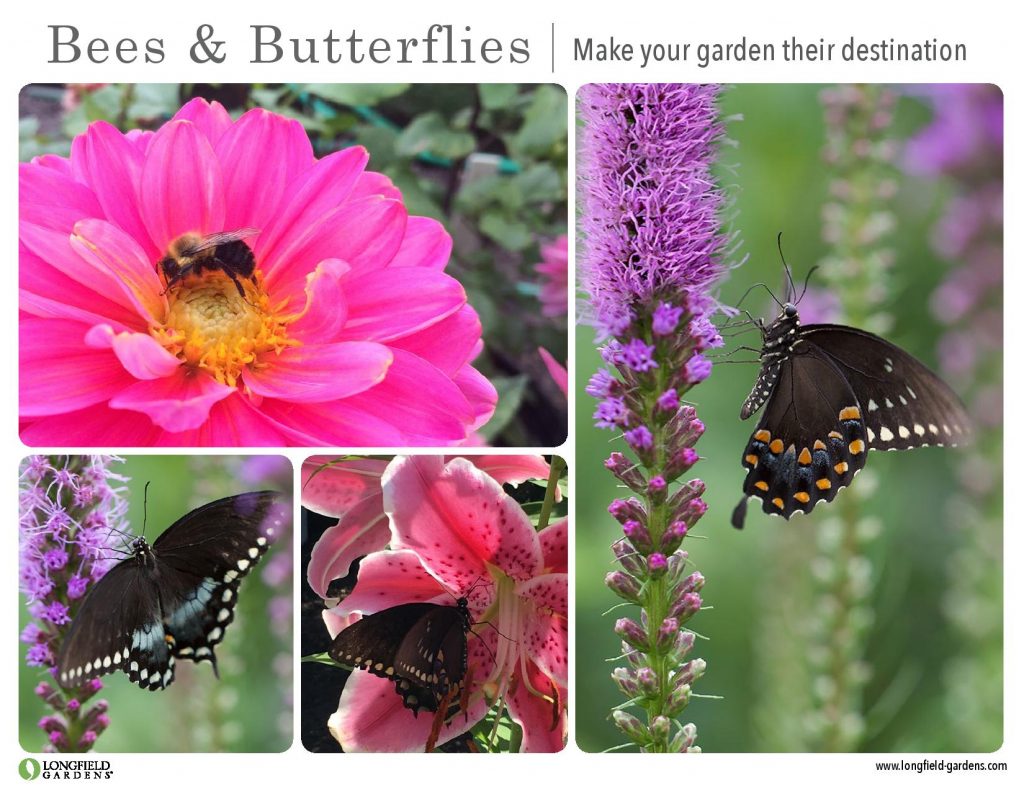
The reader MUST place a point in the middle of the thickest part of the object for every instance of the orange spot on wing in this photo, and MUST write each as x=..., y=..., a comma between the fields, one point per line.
x=762, y=485
x=751, y=459
x=802, y=497
x=819, y=445
x=777, y=502
x=763, y=436
x=857, y=446
x=849, y=413
x=823, y=483
x=841, y=467
x=805, y=456
x=776, y=446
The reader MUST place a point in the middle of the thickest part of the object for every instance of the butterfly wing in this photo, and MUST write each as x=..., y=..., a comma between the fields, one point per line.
x=905, y=404
x=421, y=647
x=200, y=562
x=810, y=441
x=119, y=626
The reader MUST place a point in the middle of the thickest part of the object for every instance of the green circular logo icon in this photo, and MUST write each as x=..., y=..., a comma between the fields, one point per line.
x=29, y=769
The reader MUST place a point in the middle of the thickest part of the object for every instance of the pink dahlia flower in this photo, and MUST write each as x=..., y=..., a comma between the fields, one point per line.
x=348, y=332
x=454, y=532
x=558, y=372
x=554, y=272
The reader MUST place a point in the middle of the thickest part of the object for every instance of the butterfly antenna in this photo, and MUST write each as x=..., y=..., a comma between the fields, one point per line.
x=807, y=280
x=145, y=506
x=790, y=285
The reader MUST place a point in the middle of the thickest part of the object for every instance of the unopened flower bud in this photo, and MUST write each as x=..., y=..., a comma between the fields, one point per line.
x=624, y=585
x=630, y=631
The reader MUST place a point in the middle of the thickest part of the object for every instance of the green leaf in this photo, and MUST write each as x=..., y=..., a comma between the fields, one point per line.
x=506, y=231
x=510, y=395
x=545, y=124
x=540, y=183
x=355, y=94
x=154, y=100
x=497, y=96
x=431, y=134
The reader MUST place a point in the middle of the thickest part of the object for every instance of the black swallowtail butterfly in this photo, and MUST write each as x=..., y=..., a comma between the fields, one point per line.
x=832, y=394
x=173, y=600
x=421, y=647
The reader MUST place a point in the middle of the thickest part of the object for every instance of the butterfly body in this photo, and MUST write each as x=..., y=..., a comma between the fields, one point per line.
x=831, y=393
x=172, y=600
x=421, y=647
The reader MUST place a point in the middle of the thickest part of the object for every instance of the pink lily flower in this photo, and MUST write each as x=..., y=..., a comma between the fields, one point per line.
x=347, y=333
x=454, y=532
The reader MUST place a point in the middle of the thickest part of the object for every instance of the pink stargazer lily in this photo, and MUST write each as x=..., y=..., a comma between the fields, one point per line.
x=455, y=532
x=348, y=333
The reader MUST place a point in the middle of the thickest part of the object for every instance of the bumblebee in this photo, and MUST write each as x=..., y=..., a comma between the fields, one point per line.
x=191, y=254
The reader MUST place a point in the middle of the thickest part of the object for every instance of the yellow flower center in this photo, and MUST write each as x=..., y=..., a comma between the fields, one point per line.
x=209, y=325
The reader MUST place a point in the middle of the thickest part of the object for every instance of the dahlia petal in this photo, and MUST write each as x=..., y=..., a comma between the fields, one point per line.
x=426, y=244
x=111, y=164
x=557, y=371
x=97, y=424
x=59, y=373
x=92, y=286
x=314, y=193
x=320, y=373
x=449, y=344
x=52, y=199
x=387, y=579
x=184, y=190
x=423, y=403
x=365, y=234
x=372, y=183
x=325, y=312
x=210, y=118
x=372, y=718
x=108, y=248
x=425, y=297
x=480, y=394
x=139, y=353
x=332, y=423
x=554, y=543
x=48, y=293
x=545, y=636
x=233, y=422
x=54, y=162
x=175, y=403
x=539, y=708
x=458, y=520
x=252, y=190
x=333, y=487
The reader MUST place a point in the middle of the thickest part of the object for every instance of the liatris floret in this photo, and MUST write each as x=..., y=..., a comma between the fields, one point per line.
x=72, y=527
x=652, y=248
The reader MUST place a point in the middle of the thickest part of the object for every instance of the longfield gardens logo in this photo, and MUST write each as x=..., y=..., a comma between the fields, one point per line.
x=33, y=769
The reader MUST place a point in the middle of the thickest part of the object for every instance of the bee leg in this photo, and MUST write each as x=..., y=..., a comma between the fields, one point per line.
x=238, y=285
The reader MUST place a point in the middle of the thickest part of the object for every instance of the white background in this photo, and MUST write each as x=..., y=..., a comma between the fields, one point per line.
x=993, y=36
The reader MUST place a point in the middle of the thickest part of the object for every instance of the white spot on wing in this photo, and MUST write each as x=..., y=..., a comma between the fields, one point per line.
x=885, y=434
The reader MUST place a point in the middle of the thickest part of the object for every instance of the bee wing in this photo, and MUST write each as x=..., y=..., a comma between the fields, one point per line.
x=214, y=239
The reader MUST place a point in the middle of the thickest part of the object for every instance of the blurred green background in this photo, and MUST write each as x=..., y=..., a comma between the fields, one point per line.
x=759, y=579
x=488, y=161
x=250, y=708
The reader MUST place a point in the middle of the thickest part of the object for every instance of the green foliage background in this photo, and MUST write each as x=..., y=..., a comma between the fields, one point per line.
x=249, y=708
x=488, y=161
x=757, y=579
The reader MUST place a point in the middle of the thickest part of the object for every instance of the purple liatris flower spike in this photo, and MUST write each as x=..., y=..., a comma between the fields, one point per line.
x=72, y=528
x=651, y=249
